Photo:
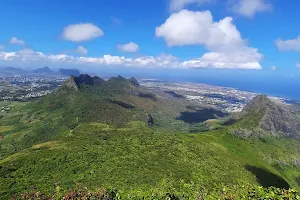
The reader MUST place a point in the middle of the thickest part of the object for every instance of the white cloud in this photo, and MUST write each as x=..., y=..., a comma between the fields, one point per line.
x=81, y=32
x=273, y=68
x=246, y=58
x=7, y=56
x=288, y=45
x=82, y=50
x=15, y=40
x=176, y=5
x=227, y=47
x=1, y=47
x=27, y=57
x=130, y=47
x=249, y=8
x=298, y=65
x=198, y=28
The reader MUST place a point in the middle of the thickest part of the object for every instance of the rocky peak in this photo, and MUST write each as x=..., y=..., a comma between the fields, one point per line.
x=272, y=116
x=257, y=103
x=84, y=79
x=134, y=81
x=88, y=80
x=70, y=83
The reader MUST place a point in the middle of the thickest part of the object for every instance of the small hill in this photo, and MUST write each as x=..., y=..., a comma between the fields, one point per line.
x=43, y=70
x=265, y=116
x=133, y=81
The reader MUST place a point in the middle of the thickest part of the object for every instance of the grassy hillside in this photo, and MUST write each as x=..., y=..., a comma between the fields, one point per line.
x=136, y=159
x=97, y=136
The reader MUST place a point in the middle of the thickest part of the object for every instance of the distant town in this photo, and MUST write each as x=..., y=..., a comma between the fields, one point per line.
x=18, y=85
x=23, y=87
x=222, y=98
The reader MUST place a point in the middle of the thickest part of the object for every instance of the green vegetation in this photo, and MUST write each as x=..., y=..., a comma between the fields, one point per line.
x=92, y=137
x=188, y=192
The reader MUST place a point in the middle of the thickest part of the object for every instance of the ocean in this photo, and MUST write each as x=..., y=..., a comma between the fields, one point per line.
x=280, y=87
x=285, y=88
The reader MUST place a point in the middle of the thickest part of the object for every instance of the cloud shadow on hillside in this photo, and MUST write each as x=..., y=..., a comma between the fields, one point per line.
x=122, y=104
x=199, y=116
x=266, y=178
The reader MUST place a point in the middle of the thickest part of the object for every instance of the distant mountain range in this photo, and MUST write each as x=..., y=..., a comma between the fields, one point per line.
x=14, y=70
x=42, y=70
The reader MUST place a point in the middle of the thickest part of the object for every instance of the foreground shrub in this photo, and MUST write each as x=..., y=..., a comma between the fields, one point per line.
x=238, y=192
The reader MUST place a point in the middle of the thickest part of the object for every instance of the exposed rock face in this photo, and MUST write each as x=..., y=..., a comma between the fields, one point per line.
x=75, y=82
x=70, y=83
x=274, y=116
x=88, y=80
x=133, y=81
x=84, y=79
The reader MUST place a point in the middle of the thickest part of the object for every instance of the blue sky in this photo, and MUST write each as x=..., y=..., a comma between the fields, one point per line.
x=258, y=38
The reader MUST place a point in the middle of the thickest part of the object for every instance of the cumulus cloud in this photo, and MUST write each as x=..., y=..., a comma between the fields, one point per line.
x=82, y=50
x=15, y=40
x=198, y=28
x=273, y=68
x=25, y=55
x=249, y=8
x=227, y=47
x=29, y=55
x=298, y=65
x=176, y=5
x=130, y=47
x=7, y=56
x=208, y=60
x=288, y=45
x=246, y=58
x=81, y=32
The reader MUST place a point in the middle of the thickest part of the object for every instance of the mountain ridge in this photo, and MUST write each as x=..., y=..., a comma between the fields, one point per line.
x=74, y=82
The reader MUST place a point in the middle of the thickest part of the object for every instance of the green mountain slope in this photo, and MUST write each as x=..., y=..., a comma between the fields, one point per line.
x=93, y=133
x=265, y=117
x=86, y=99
